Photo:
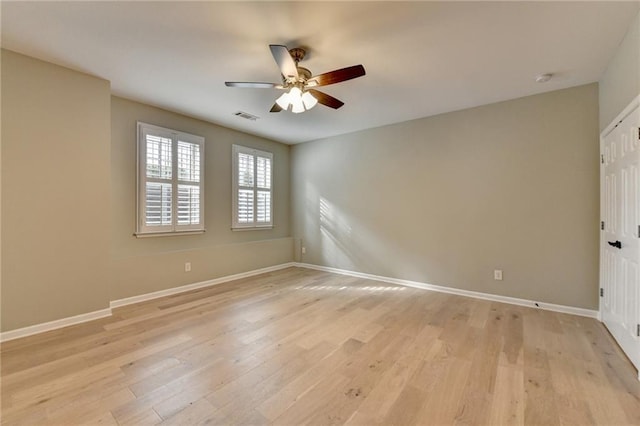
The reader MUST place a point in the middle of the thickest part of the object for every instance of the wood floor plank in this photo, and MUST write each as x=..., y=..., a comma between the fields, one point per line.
x=540, y=398
x=445, y=403
x=145, y=418
x=267, y=378
x=283, y=399
x=194, y=413
x=380, y=398
x=340, y=406
x=507, y=403
x=299, y=346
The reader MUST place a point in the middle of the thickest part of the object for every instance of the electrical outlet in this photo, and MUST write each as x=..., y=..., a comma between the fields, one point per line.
x=304, y=250
x=497, y=274
x=187, y=267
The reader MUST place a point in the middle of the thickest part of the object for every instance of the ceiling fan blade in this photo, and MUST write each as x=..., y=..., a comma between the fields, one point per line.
x=337, y=76
x=251, y=85
x=284, y=60
x=275, y=108
x=325, y=99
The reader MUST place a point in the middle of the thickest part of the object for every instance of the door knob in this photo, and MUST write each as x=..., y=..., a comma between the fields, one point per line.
x=616, y=244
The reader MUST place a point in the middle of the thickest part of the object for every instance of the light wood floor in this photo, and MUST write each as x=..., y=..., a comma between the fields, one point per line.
x=298, y=346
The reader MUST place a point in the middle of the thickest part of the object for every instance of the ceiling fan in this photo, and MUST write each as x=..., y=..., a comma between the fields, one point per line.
x=301, y=94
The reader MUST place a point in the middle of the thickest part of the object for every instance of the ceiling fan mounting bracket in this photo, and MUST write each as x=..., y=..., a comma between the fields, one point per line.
x=297, y=53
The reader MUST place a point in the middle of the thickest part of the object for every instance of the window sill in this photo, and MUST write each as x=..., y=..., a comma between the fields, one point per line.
x=253, y=228
x=167, y=234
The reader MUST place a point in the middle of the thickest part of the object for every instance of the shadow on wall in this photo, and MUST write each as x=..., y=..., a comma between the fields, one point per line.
x=340, y=242
x=336, y=237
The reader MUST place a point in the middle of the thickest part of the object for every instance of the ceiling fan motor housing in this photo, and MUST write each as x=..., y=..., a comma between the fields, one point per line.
x=304, y=74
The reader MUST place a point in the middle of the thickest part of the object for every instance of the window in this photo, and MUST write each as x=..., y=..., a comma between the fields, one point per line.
x=170, y=181
x=252, y=188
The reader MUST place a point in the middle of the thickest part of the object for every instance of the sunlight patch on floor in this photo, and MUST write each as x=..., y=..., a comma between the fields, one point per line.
x=357, y=288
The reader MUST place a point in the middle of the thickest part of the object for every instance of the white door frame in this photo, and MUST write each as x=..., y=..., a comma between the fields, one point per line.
x=632, y=108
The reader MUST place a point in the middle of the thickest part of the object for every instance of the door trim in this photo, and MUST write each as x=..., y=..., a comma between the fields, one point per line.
x=635, y=103
x=625, y=112
x=632, y=108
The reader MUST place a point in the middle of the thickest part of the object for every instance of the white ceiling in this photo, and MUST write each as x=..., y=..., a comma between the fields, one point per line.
x=421, y=58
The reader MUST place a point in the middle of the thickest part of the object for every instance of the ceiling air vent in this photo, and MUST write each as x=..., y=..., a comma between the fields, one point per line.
x=246, y=115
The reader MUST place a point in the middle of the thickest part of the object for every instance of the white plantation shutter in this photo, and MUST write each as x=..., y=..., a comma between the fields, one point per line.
x=188, y=205
x=188, y=183
x=158, y=197
x=158, y=157
x=252, y=191
x=245, y=206
x=264, y=172
x=263, y=207
x=170, y=181
x=158, y=204
x=245, y=170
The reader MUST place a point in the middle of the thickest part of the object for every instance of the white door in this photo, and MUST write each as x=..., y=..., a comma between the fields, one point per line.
x=620, y=234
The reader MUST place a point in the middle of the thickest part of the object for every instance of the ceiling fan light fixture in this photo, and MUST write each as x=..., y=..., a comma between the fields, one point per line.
x=295, y=98
x=308, y=100
x=299, y=101
x=283, y=101
x=297, y=108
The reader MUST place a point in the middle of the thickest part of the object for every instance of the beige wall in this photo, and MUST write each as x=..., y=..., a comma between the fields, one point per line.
x=447, y=199
x=55, y=192
x=620, y=83
x=68, y=199
x=142, y=265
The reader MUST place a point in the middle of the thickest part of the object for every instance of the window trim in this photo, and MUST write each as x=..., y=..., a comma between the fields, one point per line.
x=143, y=230
x=252, y=226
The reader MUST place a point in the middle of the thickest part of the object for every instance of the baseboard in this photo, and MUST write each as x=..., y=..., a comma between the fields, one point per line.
x=477, y=295
x=78, y=319
x=54, y=325
x=189, y=287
